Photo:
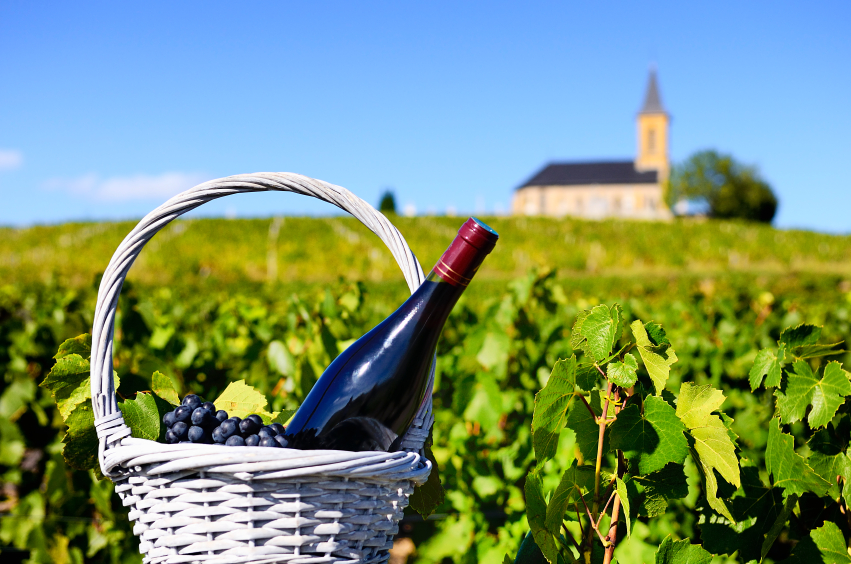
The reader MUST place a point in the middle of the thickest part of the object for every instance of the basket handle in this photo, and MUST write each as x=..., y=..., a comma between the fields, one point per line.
x=109, y=422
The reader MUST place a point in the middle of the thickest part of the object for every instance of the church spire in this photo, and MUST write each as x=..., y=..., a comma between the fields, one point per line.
x=652, y=100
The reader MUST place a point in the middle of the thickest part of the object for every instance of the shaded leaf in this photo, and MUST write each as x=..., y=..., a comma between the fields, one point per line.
x=552, y=404
x=582, y=423
x=657, y=358
x=536, y=515
x=650, y=440
x=788, y=468
x=575, y=482
x=829, y=460
x=800, y=335
x=623, y=373
x=428, y=497
x=778, y=525
x=816, y=351
x=803, y=389
x=164, y=388
x=660, y=487
x=824, y=545
x=81, y=440
x=681, y=552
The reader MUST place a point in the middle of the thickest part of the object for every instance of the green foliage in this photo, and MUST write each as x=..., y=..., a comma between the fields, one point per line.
x=649, y=438
x=730, y=189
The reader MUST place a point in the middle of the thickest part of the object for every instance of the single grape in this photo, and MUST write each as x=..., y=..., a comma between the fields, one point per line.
x=202, y=417
x=228, y=429
x=266, y=432
x=218, y=437
x=269, y=442
x=171, y=437
x=168, y=419
x=256, y=418
x=235, y=440
x=209, y=405
x=249, y=427
x=236, y=420
x=252, y=440
x=196, y=434
x=279, y=429
x=282, y=441
x=180, y=430
x=183, y=413
x=222, y=415
x=192, y=401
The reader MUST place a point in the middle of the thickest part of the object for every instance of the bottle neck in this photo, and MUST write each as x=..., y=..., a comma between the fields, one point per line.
x=460, y=262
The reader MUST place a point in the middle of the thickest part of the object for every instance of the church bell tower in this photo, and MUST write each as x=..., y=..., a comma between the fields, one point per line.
x=653, y=123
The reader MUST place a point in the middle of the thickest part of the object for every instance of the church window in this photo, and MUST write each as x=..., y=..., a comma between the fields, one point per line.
x=651, y=140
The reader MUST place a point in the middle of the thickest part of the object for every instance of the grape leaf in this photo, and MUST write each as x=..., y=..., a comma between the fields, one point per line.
x=622, y=495
x=427, y=497
x=575, y=482
x=552, y=404
x=577, y=340
x=660, y=487
x=816, y=351
x=623, y=373
x=164, y=388
x=768, y=362
x=657, y=357
x=585, y=428
x=536, y=514
x=803, y=388
x=601, y=329
x=142, y=416
x=68, y=382
x=81, y=345
x=650, y=440
x=800, y=335
x=81, y=439
x=828, y=460
x=788, y=468
x=825, y=544
x=681, y=552
x=241, y=400
x=779, y=524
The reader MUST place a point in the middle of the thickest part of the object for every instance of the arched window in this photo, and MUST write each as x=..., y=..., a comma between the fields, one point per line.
x=651, y=140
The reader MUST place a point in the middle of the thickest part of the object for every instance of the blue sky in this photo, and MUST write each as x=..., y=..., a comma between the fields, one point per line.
x=106, y=109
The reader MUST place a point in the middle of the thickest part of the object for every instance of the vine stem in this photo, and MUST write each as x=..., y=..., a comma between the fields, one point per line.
x=612, y=537
x=598, y=466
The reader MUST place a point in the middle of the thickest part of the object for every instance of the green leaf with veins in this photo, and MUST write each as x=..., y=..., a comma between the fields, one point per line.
x=803, y=388
x=788, y=468
x=817, y=351
x=142, y=416
x=164, y=388
x=552, y=405
x=768, y=362
x=825, y=544
x=650, y=440
x=81, y=439
x=575, y=482
x=828, y=460
x=241, y=400
x=585, y=428
x=660, y=487
x=536, y=515
x=657, y=357
x=624, y=497
x=81, y=345
x=577, y=340
x=800, y=335
x=601, y=330
x=623, y=373
x=69, y=383
x=681, y=552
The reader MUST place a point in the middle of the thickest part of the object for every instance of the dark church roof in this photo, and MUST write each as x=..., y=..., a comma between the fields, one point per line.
x=606, y=172
x=652, y=100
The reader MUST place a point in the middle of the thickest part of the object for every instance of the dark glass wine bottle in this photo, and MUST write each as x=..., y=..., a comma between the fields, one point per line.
x=368, y=397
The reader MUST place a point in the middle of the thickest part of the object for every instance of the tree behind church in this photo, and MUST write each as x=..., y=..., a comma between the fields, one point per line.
x=729, y=188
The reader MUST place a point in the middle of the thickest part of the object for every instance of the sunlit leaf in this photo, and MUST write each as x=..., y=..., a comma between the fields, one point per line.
x=657, y=357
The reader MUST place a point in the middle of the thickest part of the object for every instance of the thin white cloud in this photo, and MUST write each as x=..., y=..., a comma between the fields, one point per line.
x=125, y=188
x=10, y=159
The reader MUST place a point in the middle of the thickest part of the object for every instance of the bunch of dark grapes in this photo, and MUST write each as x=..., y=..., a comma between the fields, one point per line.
x=197, y=421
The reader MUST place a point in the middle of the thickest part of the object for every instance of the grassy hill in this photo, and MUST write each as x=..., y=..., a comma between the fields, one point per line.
x=600, y=257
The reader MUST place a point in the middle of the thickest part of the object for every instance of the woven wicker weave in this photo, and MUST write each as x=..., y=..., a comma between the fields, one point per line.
x=213, y=503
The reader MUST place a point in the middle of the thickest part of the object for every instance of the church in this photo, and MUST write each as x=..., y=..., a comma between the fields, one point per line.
x=599, y=189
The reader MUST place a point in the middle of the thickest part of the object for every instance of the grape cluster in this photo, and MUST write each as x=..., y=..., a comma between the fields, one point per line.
x=197, y=421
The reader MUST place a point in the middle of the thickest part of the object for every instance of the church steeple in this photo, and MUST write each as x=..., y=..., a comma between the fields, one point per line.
x=653, y=123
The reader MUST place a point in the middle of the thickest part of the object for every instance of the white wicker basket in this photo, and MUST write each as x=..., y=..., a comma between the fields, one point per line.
x=219, y=504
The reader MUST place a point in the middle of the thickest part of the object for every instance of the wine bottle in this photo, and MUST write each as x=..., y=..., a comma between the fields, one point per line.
x=368, y=397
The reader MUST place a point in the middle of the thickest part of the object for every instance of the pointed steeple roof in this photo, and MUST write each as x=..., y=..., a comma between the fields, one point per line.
x=652, y=100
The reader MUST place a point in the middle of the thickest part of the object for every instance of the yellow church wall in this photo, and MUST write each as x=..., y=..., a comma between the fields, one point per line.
x=595, y=201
